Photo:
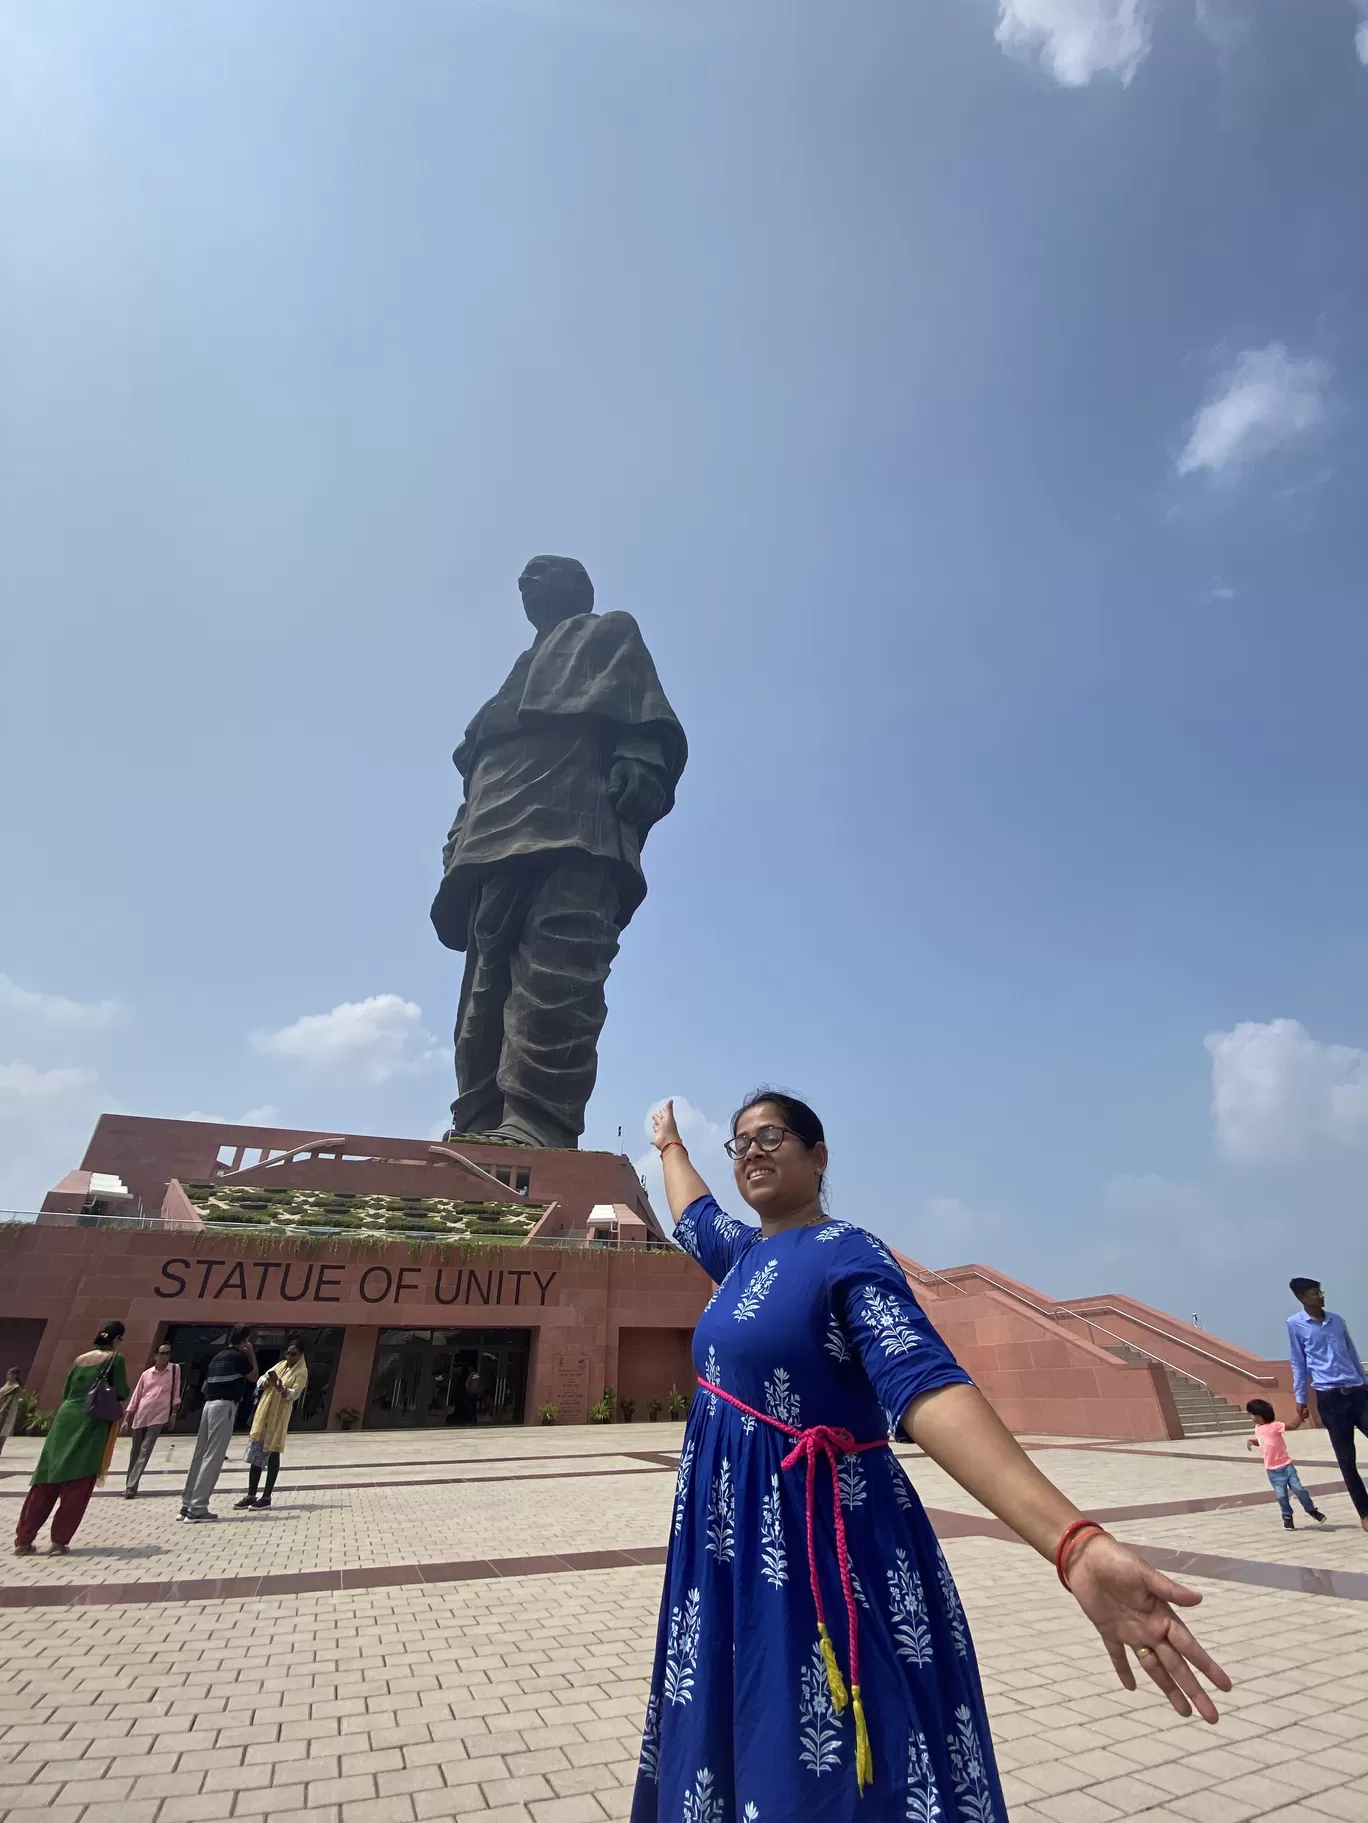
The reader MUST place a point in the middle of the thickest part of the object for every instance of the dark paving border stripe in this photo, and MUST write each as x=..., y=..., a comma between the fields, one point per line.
x=423, y=1481
x=1304, y=1579
x=305, y=1582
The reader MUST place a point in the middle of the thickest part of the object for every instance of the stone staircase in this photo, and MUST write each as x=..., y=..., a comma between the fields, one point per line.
x=1201, y=1413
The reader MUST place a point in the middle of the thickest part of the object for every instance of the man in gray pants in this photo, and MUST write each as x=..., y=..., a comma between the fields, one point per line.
x=231, y=1372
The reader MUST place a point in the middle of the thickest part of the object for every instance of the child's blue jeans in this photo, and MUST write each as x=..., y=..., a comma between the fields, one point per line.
x=1286, y=1482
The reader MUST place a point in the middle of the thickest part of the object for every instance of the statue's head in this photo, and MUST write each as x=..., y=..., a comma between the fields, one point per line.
x=554, y=588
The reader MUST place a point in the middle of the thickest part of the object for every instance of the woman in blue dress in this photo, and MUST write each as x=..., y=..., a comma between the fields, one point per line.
x=813, y=1659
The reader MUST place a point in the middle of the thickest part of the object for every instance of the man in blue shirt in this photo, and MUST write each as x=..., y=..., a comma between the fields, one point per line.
x=1323, y=1353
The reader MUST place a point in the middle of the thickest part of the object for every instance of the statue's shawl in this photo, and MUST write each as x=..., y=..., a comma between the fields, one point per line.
x=588, y=665
x=592, y=670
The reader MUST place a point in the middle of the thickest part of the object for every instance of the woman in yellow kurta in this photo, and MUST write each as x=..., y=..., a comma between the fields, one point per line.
x=281, y=1385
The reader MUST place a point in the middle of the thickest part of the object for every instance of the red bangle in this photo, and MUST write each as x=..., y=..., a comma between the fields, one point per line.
x=1064, y=1549
x=673, y=1142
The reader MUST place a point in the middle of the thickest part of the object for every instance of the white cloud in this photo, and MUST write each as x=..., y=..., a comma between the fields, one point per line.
x=1267, y=398
x=368, y=1040
x=703, y=1137
x=1277, y=1093
x=1078, y=39
x=55, y=1011
x=46, y=1116
x=25, y=1090
x=1361, y=32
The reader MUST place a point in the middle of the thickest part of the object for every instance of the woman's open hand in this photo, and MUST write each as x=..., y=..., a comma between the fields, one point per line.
x=1131, y=1605
x=663, y=1127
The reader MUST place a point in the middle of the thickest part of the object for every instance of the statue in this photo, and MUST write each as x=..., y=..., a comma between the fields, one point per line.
x=566, y=770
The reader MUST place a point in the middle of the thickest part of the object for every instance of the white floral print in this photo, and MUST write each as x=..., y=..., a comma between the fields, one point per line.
x=781, y=1400
x=686, y=1462
x=681, y=1656
x=907, y=1611
x=923, y=1799
x=650, y=1742
x=902, y=1487
x=967, y=1768
x=712, y=1371
x=851, y=1476
x=954, y=1611
x=773, y=1553
x=835, y=1341
x=722, y=1514
x=704, y=1803
x=886, y=1317
x=819, y=1730
x=756, y=1292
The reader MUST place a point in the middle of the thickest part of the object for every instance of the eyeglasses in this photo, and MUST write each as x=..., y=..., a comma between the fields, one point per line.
x=769, y=1139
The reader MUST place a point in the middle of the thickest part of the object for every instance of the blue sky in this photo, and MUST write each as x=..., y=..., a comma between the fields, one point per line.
x=969, y=404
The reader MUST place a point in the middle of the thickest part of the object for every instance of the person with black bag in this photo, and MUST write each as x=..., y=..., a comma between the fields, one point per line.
x=78, y=1446
x=231, y=1372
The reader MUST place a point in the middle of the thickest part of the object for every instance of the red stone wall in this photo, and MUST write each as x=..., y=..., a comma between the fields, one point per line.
x=573, y=1299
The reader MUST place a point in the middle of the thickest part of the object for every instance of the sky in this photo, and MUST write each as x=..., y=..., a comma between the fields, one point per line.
x=968, y=401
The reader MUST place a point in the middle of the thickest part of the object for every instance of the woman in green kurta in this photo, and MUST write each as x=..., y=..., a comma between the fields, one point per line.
x=77, y=1450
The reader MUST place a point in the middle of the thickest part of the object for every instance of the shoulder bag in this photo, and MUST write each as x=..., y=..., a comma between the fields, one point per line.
x=102, y=1402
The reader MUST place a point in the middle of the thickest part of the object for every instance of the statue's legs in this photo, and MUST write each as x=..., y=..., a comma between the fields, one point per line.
x=556, y=1007
x=496, y=924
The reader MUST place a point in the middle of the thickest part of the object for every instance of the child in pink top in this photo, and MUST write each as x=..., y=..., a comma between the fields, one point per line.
x=1270, y=1440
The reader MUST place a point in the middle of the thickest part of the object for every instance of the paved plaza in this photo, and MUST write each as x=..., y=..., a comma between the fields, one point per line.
x=441, y=1624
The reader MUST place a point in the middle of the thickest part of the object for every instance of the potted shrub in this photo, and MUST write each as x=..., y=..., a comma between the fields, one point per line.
x=653, y=1409
x=679, y=1405
x=348, y=1418
x=628, y=1409
x=602, y=1413
x=548, y=1413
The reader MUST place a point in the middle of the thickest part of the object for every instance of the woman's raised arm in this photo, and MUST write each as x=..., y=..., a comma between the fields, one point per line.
x=683, y=1185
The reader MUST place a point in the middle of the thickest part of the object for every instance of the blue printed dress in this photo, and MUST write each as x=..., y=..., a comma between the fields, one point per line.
x=814, y=1326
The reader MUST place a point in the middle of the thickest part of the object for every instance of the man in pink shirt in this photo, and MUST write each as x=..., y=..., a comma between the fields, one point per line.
x=1270, y=1440
x=155, y=1402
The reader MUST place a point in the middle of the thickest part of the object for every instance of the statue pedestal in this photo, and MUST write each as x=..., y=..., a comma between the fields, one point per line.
x=573, y=1186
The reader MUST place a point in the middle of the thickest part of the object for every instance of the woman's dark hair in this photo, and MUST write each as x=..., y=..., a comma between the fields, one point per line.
x=109, y=1335
x=238, y=1334
x=295, y=1342
x=798, y=1117
x=1260, y=1409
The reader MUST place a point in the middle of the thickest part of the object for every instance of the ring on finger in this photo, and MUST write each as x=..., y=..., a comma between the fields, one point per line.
x=1144, y=1651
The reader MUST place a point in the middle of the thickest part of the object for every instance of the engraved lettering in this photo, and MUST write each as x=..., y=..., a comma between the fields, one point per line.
x=455, y=1296
x=369, y=1274
x=544, y=1288
x=293, y=1297
x=209, y=1266
x=264, y=1270
x=326, y=1291
x=172, y=1278
x=472, y=1285
x=518, y=1278
x=400, y=1287
x=236, y=1280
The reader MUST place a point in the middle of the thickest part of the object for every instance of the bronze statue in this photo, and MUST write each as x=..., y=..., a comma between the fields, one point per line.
x=565, y=770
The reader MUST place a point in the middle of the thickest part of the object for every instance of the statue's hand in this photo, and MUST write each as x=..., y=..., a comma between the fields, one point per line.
x=636, y=791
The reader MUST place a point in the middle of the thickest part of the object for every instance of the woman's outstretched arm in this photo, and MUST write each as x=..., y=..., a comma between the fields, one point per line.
x=1129, y=1603
x=683, y=1185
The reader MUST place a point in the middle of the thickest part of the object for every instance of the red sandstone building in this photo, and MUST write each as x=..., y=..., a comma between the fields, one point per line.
x=435, y=1285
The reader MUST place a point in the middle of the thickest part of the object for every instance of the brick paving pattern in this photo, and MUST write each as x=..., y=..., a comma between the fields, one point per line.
x=520, y=1696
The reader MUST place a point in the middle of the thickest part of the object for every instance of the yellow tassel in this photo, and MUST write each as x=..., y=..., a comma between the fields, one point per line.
x=835, y=1682
x=864, y=1753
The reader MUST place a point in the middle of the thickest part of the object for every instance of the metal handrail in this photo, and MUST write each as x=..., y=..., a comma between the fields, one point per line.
x=1154, y=1329
x=1149, y=1355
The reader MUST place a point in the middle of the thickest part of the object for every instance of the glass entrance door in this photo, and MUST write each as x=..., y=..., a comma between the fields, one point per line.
x=464, y=1377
